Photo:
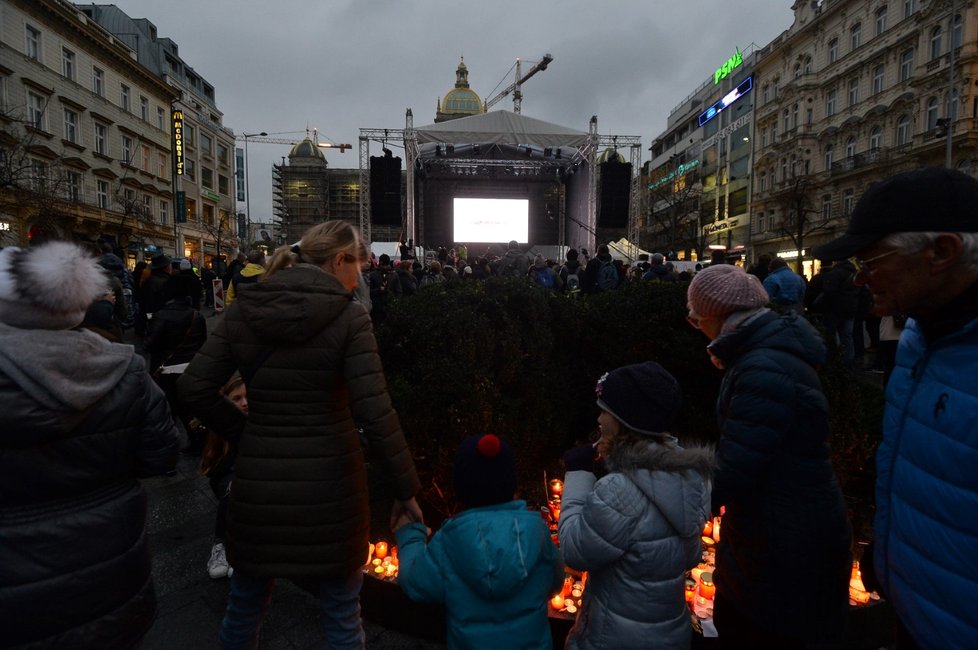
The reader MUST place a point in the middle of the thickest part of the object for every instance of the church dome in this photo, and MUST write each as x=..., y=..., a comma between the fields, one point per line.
x=610, y=155
x=306, y=149
x=460, y=101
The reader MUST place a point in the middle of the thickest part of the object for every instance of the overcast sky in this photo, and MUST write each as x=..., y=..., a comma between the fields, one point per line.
x=342, y=65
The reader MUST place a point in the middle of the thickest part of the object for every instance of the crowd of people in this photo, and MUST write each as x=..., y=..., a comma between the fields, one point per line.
x=285, y=394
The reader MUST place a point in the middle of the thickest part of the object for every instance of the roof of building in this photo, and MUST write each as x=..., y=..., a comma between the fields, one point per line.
x=306, y=149
x=461, y=99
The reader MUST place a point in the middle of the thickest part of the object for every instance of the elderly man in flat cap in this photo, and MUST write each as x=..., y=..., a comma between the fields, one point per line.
x=915, y=240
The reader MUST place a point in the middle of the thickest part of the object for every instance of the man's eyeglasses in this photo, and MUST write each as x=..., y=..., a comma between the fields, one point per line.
x=866, y=266
x=693, y=320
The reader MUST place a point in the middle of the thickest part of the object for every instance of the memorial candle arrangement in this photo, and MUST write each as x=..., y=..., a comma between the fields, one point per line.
x=382, y=562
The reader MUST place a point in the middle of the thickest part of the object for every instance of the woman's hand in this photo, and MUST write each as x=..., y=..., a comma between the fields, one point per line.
x=405, y=512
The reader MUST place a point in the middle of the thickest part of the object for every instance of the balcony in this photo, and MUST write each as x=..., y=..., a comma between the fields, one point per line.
x=859, y=160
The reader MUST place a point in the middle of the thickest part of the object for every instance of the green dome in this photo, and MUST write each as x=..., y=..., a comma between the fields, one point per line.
x=306, y=149
x=461, y=100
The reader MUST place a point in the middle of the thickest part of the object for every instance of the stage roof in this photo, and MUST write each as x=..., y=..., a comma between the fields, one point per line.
x=501, y=127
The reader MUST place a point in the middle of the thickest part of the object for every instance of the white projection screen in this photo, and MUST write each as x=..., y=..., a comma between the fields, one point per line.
x=491, y=221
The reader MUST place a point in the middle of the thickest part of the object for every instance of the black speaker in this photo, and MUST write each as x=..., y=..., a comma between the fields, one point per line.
x=616, y=179
x=385, y=190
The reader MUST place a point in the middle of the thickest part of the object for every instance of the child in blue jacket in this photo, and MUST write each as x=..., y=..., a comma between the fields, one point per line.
x=493, y=565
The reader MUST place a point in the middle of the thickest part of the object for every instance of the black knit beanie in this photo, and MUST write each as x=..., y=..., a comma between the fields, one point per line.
x=644, y=397
x=485, y=471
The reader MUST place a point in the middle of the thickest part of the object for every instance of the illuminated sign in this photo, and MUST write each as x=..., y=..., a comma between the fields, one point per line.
x=177, y=120
x=724, y=70
x=792, y=254
x=727, y=100
x=720, y=226
x=682, y=170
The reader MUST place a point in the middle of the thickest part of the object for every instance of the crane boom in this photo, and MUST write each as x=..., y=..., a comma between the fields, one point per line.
x=515, y=87
x=293, y=141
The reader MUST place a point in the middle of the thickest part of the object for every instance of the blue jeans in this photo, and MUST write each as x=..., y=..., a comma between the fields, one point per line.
x=339, y=604
x=840, y=329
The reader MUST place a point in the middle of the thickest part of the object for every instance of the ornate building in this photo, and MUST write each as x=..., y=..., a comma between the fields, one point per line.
x=85, y=148
x=301, y=190
x=460, y=101
x=851, y=93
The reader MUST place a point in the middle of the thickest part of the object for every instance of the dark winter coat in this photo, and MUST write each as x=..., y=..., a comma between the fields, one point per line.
x=174, y=334
x=785, y=518
x=299, y=502
x=82, y=420
x=840, y=297
x=152, y=292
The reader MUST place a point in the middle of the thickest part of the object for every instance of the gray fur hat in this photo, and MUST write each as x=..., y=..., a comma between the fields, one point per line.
x=49, y=286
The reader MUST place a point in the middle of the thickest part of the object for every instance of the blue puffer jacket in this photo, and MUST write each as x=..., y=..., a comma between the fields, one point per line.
x=493, y=568
x=786, y=519
x=926, y=529
x=785, y=287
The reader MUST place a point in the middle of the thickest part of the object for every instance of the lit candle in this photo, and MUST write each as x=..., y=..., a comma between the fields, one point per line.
x=857, y=590
x=556, y=486
x=716, y=529
x=376, y=561
x=690, y=591
x=571, y=608
x=566, y=591
x=707, y=588
x=707, y=541
x=379, y=569
x=696, y=573
x=576, y=593
x=708, y=528
x=380, y=550
x=557, y=602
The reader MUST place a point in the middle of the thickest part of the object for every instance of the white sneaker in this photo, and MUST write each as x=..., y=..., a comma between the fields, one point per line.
x=217, y=565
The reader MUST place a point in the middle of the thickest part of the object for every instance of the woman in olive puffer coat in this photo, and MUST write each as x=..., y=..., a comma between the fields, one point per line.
x=299, y=501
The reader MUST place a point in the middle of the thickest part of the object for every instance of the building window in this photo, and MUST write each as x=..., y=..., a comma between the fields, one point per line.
x=160, y=118
x=829, y=151
x=932, y=108
x=936, y=36
x=73, y=186
x=826, y=207
x=71, y=126
x=808, y=65
x=957, y=31
x=953, y=112
x=124, y=98
x=909, y=8
x=794, y=116
x=33, y=46
x=878, y=73
x=851, y=147
x=881, y=20
x=855, y=35
x=144, y=108
x=208, y=216
x=903, y=134
x=147, y=154
x=147, y=205
x=906, y=64
x=833, y=50
x=102, y=194
x=164, y=212
x=98, y=82
x=205, y=144
x=830, y=104
x=787, y=123
x=848, y=200
x=223, y=187
x=128, y=150
x=763, y=138
x=190, y=169
x=190, y=135
x=223, y=154
x=765, y=94
x=876, y=139
x=35, y=110
x=161, y=166
x=797, y=70
x=101, y=139
x=763, y=181
x=809, y=116
x=853, y=92
x=784, y=169
x=39, y=175
x=68, y=63
x=207, y=177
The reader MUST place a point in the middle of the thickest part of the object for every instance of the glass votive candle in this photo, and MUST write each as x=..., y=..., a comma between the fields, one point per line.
x=571, y=608
x=707, y=589
x=557, y=602
x=568, y=586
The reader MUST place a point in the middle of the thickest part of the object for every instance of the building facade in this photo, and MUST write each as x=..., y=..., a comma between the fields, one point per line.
x=460, y=101
x=699, y=178
x=851, y=93
x=204, y=176
x=85, y=153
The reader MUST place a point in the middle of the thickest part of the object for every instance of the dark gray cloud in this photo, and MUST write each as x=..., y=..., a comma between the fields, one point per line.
x=342, y=65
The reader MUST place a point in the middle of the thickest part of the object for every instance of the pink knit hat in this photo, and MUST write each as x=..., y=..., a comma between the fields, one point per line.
x=722, y=289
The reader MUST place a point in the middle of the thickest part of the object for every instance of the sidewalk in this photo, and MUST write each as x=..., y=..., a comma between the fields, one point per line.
x=180, y=528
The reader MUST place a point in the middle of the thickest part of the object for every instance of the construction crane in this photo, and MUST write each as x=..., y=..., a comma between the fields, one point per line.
x=515, y=87
x=291, y=141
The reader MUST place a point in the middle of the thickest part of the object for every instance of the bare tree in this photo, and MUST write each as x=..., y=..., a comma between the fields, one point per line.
x=223, y=233
x=799, y=216
x=674, y=210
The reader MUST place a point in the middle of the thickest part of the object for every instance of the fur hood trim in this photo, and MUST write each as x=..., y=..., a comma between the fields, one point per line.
x=49, y=286
x=662, y=455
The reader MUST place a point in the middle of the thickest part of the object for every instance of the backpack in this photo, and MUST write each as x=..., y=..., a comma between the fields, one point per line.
x=544, y=277
x=572, y=283
x=607, y=276
x=129, y=293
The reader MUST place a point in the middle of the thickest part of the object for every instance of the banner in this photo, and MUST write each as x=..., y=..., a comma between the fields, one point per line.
x=218, y=296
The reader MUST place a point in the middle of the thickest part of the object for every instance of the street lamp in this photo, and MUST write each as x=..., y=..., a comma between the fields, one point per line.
x=247, y=185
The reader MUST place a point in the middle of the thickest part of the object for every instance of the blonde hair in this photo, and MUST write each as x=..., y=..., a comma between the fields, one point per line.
x=318, y=244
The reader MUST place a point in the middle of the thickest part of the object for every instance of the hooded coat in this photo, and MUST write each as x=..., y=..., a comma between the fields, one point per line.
x=493, y=568
x=299, y=502
x=636, y=531
x=785, y=518
x=82, y=421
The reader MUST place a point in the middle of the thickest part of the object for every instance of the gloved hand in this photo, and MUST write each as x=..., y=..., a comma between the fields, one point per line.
x=580, y=458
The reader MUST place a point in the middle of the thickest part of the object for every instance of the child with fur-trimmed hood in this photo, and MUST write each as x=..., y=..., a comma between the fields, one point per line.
x=637, y=529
